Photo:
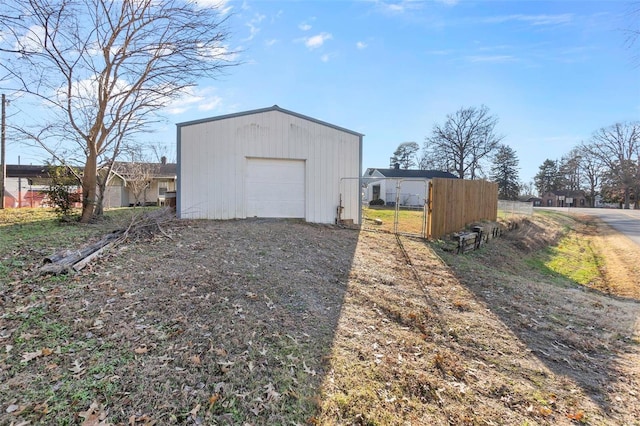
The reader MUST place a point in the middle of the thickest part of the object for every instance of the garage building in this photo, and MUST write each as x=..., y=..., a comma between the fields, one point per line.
x=268, y=162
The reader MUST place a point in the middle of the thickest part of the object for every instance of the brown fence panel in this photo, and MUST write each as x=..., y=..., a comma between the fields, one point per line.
x=455, y=203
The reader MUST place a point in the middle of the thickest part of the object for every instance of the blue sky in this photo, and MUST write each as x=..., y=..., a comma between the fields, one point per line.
x=551, y=72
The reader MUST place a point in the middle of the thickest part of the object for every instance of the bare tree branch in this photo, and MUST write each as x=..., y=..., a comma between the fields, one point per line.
x=104, y=69
x=463, y=142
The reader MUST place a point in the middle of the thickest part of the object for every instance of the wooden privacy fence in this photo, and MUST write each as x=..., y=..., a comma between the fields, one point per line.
x=455, y=203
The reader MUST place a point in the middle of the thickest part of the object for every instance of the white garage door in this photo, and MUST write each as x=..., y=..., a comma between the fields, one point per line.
x=275, y=188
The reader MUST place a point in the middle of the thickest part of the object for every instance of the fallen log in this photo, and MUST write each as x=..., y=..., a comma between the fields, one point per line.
x=82, y=263
x=63, y=261
x=141, y=225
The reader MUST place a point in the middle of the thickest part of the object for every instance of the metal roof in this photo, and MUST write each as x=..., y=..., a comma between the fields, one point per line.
x=262, y=110
x=158, y=170
x=404, y=173
x=26, y=171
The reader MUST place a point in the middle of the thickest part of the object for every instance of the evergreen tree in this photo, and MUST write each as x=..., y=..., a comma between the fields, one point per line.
x=405, y=155
x=504, y=172
x=548, y=178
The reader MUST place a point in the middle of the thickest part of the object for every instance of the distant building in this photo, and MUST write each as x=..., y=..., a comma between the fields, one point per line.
x=405, y=186
x=564, y=199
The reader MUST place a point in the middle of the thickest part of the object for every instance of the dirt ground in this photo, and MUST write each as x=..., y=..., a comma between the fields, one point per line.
x=272, y=322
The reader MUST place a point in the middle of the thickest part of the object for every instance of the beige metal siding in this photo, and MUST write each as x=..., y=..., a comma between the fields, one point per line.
x=213, y=157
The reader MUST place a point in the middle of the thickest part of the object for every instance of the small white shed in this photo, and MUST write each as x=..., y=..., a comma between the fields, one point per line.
x=268, y=162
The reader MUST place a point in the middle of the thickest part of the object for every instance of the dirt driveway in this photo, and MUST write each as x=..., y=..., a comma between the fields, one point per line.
x=280, y=322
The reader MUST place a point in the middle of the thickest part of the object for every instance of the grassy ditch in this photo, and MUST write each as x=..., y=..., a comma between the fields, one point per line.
x=575, y=256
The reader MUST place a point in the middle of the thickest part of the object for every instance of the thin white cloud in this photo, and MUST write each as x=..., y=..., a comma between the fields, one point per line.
x=317, y=40
x=564, y=18
x=398, y=7
x=270, y=42
x=253, y=26
x=491, y=58
x=361, y=45
x=325, y=57
x=32, y=41
x=304, y=26
x=223, y=6
x=213, y=103
x=201, y=98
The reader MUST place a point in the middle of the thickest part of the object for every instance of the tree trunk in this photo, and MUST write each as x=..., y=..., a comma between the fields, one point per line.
x=626, y=197
x=99, y=209
x=89, y=185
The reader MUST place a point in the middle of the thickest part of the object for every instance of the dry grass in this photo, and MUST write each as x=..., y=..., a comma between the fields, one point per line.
x=264, y=322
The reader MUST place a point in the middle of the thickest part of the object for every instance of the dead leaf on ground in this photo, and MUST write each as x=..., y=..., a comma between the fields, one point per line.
x=144, y=419
x=77, y=369
x=308, y=370
x=12, y=408
x=545, y=411
x=29, y=356
x=272, y=394
x=94, y=416
x=195, y=410
x=213, y=399
x=577, y=416
x=141, y=350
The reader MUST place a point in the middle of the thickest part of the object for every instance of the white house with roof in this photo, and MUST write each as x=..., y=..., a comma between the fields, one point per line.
x=268, y=162
x=399, y=186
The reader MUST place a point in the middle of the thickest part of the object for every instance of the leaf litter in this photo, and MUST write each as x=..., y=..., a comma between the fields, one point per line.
x=274, y=322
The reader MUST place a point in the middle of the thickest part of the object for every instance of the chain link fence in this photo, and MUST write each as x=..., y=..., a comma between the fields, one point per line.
x=515, y=208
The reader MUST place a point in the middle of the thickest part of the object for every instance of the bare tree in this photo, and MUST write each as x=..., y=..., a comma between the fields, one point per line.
x=617, y=148
x=465, y=140
x=139, y=176
x=592, y=172
x=570, y=170
x=632, y=33
x=103, y=69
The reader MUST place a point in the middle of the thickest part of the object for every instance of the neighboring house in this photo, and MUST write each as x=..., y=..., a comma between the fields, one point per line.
x=131, y=183
x=407, y=187
x=535, y=201
x=9, y=200
x=268, y=162
x=564, y=199
x=135, y=183
x=27, y=185
x=36, y=198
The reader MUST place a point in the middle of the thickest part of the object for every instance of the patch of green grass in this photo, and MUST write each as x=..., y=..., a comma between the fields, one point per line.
x=28, y=235
x=409, y=220
x=573, y=258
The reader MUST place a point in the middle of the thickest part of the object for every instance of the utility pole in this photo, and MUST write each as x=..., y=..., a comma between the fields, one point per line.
x=3, y=164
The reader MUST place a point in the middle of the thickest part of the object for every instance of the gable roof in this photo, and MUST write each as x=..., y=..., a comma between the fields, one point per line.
x=408, y=173
x=156, y=170
x=262, y=110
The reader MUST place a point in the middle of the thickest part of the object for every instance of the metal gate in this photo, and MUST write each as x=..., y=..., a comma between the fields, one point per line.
x=403, y=210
